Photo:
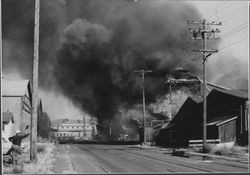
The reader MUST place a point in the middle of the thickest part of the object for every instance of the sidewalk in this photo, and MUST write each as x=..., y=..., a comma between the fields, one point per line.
x=44, y=160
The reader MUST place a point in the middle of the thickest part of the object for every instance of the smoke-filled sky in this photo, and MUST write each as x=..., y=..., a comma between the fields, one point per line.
x=90, y=49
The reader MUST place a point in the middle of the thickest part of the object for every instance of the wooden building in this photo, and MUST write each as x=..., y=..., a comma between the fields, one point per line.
x=182, y=127
x=227, y=120
x=16, y=98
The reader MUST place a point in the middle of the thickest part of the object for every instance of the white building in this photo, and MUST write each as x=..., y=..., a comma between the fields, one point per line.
x=8, y=125
x=76, y=129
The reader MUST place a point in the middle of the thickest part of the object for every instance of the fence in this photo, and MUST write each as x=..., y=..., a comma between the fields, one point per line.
x=200, y=142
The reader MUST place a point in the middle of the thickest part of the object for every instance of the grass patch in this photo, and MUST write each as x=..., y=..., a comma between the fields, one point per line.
x=225, y=151
x=18, y=169
x=233, y=150
x=41, y=148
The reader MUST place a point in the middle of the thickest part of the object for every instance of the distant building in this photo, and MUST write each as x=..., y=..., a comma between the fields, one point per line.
x=82, y=129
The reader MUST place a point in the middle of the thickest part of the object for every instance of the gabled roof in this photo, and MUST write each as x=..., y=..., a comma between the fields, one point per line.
x=236, y=93
x=15, y=87
x=7, y=117
x=221, y=120
x=197, y=99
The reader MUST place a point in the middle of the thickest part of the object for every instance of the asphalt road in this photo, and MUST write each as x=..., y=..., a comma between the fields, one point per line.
x=90, y=158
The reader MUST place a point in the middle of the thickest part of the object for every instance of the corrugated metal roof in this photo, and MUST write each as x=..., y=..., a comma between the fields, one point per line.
x=14, y=87
x=221, y=120
x=236, y=93
x=7, y=116
x=233, y=92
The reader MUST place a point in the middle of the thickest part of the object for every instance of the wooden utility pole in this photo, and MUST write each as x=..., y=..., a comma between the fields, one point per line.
x=201, y=34
x=33, y=134
x=110, y=131
x=1, y=49
x=170, y=97
x=143, y=102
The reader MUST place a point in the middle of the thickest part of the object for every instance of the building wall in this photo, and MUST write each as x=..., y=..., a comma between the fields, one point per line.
x=13, y=104
x=79, y=131
x=21, y=116
x=220, y=104
x=8, y=130
x=227, y=132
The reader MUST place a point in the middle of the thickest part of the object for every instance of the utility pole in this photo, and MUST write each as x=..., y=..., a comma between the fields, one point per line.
x=110, y=128
x=203, y=36
x=1, y=45
x=33, y=135
x=170, y=97
x=142, y=72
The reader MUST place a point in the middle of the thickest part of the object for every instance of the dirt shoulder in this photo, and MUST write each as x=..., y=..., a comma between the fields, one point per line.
x=45, y=159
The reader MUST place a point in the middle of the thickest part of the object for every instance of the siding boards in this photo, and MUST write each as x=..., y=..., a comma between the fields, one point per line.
x=227, y=132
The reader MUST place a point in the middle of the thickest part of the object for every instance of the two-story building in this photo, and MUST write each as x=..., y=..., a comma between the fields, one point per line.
x=81, y=129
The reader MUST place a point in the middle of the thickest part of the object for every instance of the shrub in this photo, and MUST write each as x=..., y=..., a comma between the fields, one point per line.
x=18, y=169
x=41, y=148
x=208, y=148
x=228, y=150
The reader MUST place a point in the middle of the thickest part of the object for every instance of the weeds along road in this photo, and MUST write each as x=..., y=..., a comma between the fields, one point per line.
x=94, y=158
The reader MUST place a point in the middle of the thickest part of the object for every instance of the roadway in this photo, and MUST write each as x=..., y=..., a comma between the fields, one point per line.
x=100, y=159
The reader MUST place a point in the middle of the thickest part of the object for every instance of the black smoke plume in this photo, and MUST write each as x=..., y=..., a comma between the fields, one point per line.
x=90, y=49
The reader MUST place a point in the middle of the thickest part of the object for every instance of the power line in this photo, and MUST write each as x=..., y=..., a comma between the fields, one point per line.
x=230, y=14
x=201, y=34
x=214, y=9
x=228, y=5
x=234, y=32
x=233, y=43
x=245, y=23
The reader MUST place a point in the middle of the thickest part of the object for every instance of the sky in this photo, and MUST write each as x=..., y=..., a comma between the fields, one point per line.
x=233, y=42
x=234, y=30
x=232, y=14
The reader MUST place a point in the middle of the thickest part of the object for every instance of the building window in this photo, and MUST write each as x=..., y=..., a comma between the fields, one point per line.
x=172, y=135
